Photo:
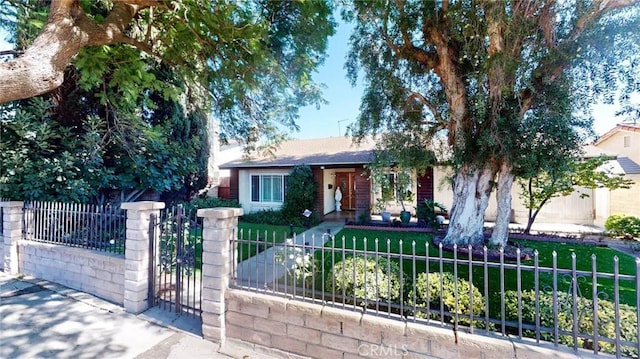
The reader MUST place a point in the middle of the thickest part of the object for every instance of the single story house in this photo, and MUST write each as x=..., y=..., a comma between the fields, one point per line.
x=258, y=183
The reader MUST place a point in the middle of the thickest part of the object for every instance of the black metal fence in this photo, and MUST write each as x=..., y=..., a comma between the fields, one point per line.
x=594, y=309
x=101, y=228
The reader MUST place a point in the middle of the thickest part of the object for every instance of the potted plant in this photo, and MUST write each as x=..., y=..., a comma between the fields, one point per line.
x=381, y=207
x=403, y=182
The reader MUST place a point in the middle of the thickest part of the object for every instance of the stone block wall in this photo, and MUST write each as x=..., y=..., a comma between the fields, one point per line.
x=294, y=329
x=97, y=273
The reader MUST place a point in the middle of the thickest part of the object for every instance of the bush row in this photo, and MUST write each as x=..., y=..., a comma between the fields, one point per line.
x=620, y=225
x=371, y=282
x=585, y=307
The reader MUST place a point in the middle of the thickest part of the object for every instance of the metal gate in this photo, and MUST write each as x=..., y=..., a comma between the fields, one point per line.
x=175, y=272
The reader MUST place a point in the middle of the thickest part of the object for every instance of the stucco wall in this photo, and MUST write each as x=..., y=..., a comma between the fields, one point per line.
x=615, y=144
x=275, y=324
x=626, y=201
x=97, y=273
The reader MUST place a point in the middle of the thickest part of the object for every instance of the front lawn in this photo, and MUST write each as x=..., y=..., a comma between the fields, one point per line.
x=261, y=236
x=416, y=243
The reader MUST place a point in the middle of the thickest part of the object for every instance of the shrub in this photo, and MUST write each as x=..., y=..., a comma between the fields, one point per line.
x=267, y=216
x=301, y=191
x=277, y=218
x=213, y=202
x=430, y=297
x=366, y=279
x=606, y=318
x=620, y=225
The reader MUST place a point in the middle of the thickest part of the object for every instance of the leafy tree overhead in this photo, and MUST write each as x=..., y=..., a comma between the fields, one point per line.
x=480, y=74
x=131, y=85
x=255, y=59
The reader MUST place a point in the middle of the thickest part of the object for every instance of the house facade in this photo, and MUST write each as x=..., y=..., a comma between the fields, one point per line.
x=259, y=183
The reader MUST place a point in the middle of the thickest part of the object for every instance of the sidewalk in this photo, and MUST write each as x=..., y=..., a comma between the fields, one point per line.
x=42, y=319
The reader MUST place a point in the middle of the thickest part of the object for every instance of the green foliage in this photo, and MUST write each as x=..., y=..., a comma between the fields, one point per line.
x=192, y=206
x=433, y=290
x=366, y=279
x=585, y=307
x=277, y=217
x=267, y=216
x=139, y=111
x=620, y=225
x=301, y=192
x=429, y=210
x=565, y=177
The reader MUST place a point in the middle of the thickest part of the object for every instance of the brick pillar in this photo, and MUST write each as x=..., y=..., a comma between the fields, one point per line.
x=137, y=256
x=219, y=229
x=11, y=234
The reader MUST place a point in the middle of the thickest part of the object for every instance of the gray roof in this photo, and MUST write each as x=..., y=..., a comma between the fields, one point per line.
x=313, y=152
x=628, y=165
x=621, y=166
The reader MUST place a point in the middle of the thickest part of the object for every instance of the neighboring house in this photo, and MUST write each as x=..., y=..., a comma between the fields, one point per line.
x=624, y=141
x=260, y=183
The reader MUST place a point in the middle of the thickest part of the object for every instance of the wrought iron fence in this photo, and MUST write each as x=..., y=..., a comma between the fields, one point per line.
x=594, y=309
x=101, y=228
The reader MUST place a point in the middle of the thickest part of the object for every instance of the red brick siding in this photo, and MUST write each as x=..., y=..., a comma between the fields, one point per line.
x=425, y=186
x=363, y=192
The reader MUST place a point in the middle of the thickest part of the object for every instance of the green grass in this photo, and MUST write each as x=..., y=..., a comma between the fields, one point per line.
x=271, y=234
x=605, y=259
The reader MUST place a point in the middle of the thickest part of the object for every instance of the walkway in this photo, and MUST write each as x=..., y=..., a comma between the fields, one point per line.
x=261, y=270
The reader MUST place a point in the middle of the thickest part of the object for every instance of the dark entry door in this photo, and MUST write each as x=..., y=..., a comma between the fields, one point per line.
x=345, y=180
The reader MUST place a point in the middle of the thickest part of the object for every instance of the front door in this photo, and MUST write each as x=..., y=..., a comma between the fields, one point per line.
x=345, y=180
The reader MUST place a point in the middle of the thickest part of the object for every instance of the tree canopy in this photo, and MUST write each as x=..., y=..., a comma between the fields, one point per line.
x=126, y=89
x=252, y=62
x=483, y=74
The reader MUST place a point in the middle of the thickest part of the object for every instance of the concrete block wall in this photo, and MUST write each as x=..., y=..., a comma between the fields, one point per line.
x=122, y=279
x=291, y=328
x=97, y=273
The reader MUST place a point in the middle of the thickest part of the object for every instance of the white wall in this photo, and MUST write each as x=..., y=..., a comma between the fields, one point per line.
x=244, y=190
x=328, y=195
x=564, y=209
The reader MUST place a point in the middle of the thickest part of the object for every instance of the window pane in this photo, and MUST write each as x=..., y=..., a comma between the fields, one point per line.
x=266, y=184
x=277, y=189
x=255, y=188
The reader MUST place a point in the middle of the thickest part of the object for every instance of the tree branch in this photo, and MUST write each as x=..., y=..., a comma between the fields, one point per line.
x=11, y=52
x=549, y=71
x=418, y=96
x=41, y=67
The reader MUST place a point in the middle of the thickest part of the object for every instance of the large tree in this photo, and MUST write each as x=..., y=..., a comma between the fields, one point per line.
x=253, y=59
x=125, y=88
x=478, y=73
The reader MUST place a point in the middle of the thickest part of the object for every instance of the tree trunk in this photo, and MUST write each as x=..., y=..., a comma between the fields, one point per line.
x=471, y=190
x=503, y=197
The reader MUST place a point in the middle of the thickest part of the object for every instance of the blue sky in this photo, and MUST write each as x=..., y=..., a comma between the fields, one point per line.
x=332, y=119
